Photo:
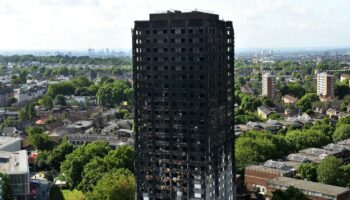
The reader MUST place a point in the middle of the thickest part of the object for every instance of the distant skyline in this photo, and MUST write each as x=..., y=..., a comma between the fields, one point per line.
x=83, y=24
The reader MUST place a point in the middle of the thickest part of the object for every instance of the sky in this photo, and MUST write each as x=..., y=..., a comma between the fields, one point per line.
x=83, y=24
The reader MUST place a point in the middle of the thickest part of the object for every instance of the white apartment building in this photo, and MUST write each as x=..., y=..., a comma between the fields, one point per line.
x=269, y=85
x=325, y=85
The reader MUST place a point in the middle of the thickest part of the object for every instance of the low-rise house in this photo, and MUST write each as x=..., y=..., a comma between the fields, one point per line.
x=297, y=158
x=272, y=126
x=301, y=119
x=246, y=90
x=340, y=151
x=264, y=112
x=331, y=112
x=112, y=140
x=10, y=131
x=290, y=122
x=5, y=113
x=79, y=126
x=287, y=99
x=316, y=155
x=82, y=100
x=28, y=93
x=345, y=77
x=314, y=191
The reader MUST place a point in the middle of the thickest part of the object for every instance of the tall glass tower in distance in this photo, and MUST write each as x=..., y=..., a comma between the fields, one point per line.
x=183, y=80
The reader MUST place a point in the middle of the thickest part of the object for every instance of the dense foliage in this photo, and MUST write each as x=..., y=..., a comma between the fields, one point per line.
x=291, y=193
x=67, y=60
x=118, y=185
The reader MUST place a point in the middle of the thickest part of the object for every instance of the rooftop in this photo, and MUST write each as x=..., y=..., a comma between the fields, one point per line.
x=14, y=162
x=80, y=124
x=7, y=140
x=297, y=158
x=261, y=168
x=265, y=109
x=290, y=98
x=308, y=185
x=178, y=15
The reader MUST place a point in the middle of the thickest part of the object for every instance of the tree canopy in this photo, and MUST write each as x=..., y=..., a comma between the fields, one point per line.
x=39, y=139
x=119, y=185
x=121, y=157
x=342, y=132
x=328, y=171
x=301, y=139
x=308, y=171
x=73, y=166
x=291, y=193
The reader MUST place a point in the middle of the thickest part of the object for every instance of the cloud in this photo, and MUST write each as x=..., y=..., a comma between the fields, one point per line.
x=81, y=24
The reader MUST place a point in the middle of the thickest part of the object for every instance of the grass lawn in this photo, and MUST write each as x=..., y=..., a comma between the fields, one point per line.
x=72, y=195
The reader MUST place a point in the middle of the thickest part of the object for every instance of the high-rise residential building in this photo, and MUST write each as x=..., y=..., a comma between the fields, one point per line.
x=269, y=85
x=183, y=81
x=325, y=85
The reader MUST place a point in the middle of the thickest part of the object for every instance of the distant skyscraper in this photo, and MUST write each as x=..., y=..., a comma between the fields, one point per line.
x=183, y=80
x=269, y=85
x=325, y=85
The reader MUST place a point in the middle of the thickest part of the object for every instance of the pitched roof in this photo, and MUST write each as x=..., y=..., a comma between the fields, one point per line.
x=290, y=98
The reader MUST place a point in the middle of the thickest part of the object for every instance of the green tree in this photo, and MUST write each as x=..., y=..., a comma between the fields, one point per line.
x=291, y=193
x=63, y=88
x=81, y=81
x=11, y=101
x=308, y=171
x=345, y=179
x=122, y=157
x=58, y=155
x=46, y=101
x=301, y=139
x=5, y=187
x=267, y=102
x=341, y=90
x=249, y=103
x=104, y=95
x=328, y=171
x=293, y=89
x=119, y=185
x=60, y=100
x=305, y=103
x=274, y=116
x=344, y=120
x=342, y=132
x=73, y=166
x=39, y=139
x=9, y=122
x=258, y=146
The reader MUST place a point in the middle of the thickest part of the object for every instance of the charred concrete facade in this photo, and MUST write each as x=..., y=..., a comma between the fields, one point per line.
x=183, y=80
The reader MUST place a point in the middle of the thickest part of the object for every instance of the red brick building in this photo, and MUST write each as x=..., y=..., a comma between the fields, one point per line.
x=257, y=176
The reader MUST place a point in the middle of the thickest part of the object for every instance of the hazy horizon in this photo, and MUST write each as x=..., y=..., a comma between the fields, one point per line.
x=82, y=24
